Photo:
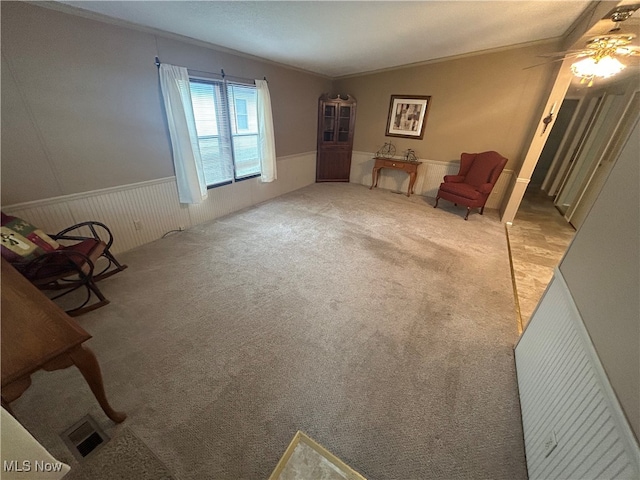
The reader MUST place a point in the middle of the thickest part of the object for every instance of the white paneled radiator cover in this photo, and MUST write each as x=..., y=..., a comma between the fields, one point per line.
x=566, y=399
x=142, y=212
x=430, y=175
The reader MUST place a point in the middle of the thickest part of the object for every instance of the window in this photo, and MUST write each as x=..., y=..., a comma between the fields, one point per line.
x=227, y=125
x=242, y=119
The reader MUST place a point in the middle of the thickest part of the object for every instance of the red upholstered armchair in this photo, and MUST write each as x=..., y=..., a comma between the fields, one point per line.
x=472, y=185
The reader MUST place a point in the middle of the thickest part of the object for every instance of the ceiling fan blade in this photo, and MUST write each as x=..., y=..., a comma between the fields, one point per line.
x=566, y=53
x=544, y=63
x=628, y=50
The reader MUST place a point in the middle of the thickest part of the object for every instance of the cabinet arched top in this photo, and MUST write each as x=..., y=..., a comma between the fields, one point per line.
x=340, y=97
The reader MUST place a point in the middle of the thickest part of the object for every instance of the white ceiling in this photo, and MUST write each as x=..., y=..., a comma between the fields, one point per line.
x=342, y=38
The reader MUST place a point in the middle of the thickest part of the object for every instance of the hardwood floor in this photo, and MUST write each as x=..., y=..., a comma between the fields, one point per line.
x=538, y=239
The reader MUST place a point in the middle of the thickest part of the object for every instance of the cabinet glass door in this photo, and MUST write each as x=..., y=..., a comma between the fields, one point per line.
x=343, y=123
x=329, y=124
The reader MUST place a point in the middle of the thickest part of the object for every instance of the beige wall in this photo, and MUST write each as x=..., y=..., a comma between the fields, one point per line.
x=481, y=102
x=81, y=103
x=602, y=271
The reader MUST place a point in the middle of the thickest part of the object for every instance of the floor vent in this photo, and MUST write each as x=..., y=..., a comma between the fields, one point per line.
x=84, y=437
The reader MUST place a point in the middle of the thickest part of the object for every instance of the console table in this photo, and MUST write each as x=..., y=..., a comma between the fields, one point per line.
x=37, y=334
x=411, y=167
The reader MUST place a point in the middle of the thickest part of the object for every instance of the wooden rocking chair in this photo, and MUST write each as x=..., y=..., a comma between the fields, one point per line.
x=65, y=261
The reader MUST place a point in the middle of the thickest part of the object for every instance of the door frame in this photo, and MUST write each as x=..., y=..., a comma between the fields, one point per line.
x=629, y=115
x=567, y=148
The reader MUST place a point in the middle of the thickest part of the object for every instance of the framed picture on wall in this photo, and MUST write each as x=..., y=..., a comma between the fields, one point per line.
x=407, y=116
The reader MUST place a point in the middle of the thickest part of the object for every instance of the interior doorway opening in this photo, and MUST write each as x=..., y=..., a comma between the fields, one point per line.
x=548, y=164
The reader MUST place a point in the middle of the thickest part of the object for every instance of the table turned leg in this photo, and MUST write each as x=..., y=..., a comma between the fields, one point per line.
x=412, y=183
x=7, y=407
x=87, y=363
x=374, y=178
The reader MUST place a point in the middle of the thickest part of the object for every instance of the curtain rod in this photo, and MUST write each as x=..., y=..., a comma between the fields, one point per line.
x=221, y=74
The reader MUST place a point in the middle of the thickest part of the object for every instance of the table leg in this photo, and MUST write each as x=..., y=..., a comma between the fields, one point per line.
x=7, y=407
x=374, y=177
x=87, y=363
x=13, y=390
x=412, y=183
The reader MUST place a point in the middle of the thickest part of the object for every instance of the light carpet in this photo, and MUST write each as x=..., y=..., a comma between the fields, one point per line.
x=380, y=326
x=125, y=457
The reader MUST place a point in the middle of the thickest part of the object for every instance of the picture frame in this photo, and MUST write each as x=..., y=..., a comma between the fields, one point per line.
x=408, y=116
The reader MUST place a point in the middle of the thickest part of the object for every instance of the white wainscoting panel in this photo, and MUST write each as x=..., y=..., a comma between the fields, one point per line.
x=565, y=392
x=294, y=172
x=154, y=205
x=430, y=175
x=50, y=218
x=500, y=189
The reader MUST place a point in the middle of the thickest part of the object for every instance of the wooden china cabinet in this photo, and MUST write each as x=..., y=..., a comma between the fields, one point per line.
x=336, y=122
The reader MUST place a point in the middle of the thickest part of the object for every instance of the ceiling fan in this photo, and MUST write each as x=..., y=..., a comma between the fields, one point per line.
x=600, y=57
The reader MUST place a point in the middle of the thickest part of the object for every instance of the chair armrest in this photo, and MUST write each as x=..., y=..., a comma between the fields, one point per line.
x=485, y=188
x=62, y=235
x=57, y=261
x=453, y=179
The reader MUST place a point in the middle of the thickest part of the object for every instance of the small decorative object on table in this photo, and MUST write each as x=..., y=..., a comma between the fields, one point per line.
x=387, y=151
x=410, y=156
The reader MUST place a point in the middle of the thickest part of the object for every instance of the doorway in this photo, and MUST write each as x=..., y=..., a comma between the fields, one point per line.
x=548, y=164
x=584, y=159
x=588, y=151
x=602, y=167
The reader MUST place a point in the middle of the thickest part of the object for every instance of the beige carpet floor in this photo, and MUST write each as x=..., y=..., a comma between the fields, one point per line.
x=125, y=457
x=380, y=326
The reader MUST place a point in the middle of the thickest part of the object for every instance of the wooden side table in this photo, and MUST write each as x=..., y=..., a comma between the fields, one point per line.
x=408, y=166
x=37, y=334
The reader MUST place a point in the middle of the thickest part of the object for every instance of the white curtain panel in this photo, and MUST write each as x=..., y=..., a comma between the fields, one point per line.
x=266, y=135
x=174, y=82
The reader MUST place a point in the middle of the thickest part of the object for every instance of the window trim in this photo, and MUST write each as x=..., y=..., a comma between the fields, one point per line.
x=221, y=184
x=244, y=116
x=248, y=177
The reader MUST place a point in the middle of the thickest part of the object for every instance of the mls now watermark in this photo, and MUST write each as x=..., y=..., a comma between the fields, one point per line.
x=29, y=466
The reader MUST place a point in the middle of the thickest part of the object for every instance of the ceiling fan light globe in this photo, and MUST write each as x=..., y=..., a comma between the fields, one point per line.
x=591, y=67
x=609, y=66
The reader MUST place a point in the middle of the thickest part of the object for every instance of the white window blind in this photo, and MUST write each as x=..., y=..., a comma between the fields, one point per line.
x=227, y=126
x=244, y=129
